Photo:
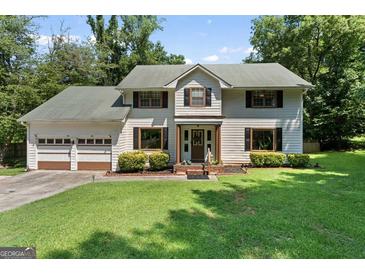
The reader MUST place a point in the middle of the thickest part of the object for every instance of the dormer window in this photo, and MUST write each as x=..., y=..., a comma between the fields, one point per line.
x=197, y=97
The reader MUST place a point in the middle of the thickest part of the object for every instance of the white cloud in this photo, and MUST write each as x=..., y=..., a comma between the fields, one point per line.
x=209, y=21
x=211, y=58
x=227, y=50
x=92, y=38
x=43, y=40
x=249, y=50
x=188, y=61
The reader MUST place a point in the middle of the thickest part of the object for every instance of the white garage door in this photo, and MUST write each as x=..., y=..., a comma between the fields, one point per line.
x=94, y=154
x=54, y=153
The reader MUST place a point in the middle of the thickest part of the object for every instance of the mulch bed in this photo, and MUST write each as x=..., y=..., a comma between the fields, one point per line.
x=166, y=172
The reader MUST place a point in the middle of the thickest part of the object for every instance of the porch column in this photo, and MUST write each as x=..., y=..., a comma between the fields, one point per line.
x=178, y=146
x=218, y=142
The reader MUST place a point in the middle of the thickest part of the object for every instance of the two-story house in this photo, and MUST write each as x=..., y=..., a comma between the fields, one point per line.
x=181, y=109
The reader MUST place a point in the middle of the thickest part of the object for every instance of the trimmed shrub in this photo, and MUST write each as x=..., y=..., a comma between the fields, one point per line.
x=132, y=161
x=267, y=159
x=298, y=160
x=158, y=160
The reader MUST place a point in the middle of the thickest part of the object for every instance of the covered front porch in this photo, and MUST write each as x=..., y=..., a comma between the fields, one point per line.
x=193, y=141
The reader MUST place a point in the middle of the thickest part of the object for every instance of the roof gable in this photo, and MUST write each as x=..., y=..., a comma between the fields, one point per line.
x=173, y=83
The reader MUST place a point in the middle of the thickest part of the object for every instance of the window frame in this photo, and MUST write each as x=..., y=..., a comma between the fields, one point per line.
x=150, y=99
x=140, y=139
x=263, y=129
x=54, y=141
x=191, y=96
x=94, y=144
x=256, y=106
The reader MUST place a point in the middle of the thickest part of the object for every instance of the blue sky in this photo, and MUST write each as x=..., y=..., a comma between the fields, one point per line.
x=201, y=39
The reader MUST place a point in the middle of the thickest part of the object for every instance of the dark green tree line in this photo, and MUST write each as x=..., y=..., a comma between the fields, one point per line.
x=329, y=52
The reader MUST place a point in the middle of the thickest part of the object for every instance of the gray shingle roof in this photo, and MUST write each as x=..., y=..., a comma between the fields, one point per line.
x=258, y=75
x=81, y=103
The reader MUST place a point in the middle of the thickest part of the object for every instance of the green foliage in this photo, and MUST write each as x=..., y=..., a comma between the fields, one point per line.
x=267, y=159
x=327, y=51
x=132, y=161
x=298, y=160
x=124, y=43
x=158, y=160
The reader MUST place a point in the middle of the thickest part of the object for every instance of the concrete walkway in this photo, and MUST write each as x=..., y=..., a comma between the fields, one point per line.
x=35, y=185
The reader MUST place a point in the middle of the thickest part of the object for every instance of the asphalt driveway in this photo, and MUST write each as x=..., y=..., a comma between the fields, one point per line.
x=31, y=186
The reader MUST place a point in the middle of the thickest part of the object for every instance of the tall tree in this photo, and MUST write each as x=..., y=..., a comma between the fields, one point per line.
x=67, y=62
x=125, y=42
x=17, y=96
x=329, y=52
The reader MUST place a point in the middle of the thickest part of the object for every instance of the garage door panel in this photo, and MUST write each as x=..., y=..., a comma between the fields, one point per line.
x=94, y=149
x=54, y=149
x=91, y=157
x=94, y=165
x=54, y=157
x=54, y=165
x=94, y=157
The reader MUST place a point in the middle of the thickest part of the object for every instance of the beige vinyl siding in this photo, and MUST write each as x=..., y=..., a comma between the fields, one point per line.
x=238, y=117
x=198, y=78
x=140, y=117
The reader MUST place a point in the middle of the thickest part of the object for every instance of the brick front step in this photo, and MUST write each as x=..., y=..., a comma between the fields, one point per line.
x=197, y=169
x=195, y=172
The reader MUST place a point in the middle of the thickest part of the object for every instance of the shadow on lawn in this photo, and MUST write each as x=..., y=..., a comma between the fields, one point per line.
x=299, y=216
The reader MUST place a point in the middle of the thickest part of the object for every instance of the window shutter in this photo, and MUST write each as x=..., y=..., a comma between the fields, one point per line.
x=135, y=99
x=165, y=99
x=248, y=98
x=135, y=138
x=279, y=96
x=165, y=138
x=247, y=139
x=279, y=139
x=208, y=97
x=186, y=97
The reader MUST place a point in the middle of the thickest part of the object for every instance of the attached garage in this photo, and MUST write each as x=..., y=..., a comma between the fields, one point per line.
x=54, y=153
x=94, y=154
x=74, y=130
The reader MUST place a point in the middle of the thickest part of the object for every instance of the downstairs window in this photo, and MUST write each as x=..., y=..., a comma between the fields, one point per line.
x=263, y=139
x=151, y=138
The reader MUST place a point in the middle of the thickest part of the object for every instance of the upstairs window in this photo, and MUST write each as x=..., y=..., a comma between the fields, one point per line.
x=150, y=99
x=264, y=98
x=197, y=97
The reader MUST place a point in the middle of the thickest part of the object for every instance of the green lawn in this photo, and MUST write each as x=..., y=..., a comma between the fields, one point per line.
x=11, y=171
x=269, y=213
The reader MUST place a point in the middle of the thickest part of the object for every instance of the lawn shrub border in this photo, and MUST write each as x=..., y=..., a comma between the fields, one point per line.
x=132, y=161
x=159, y=160
x=298, y=160
x=267, y=159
